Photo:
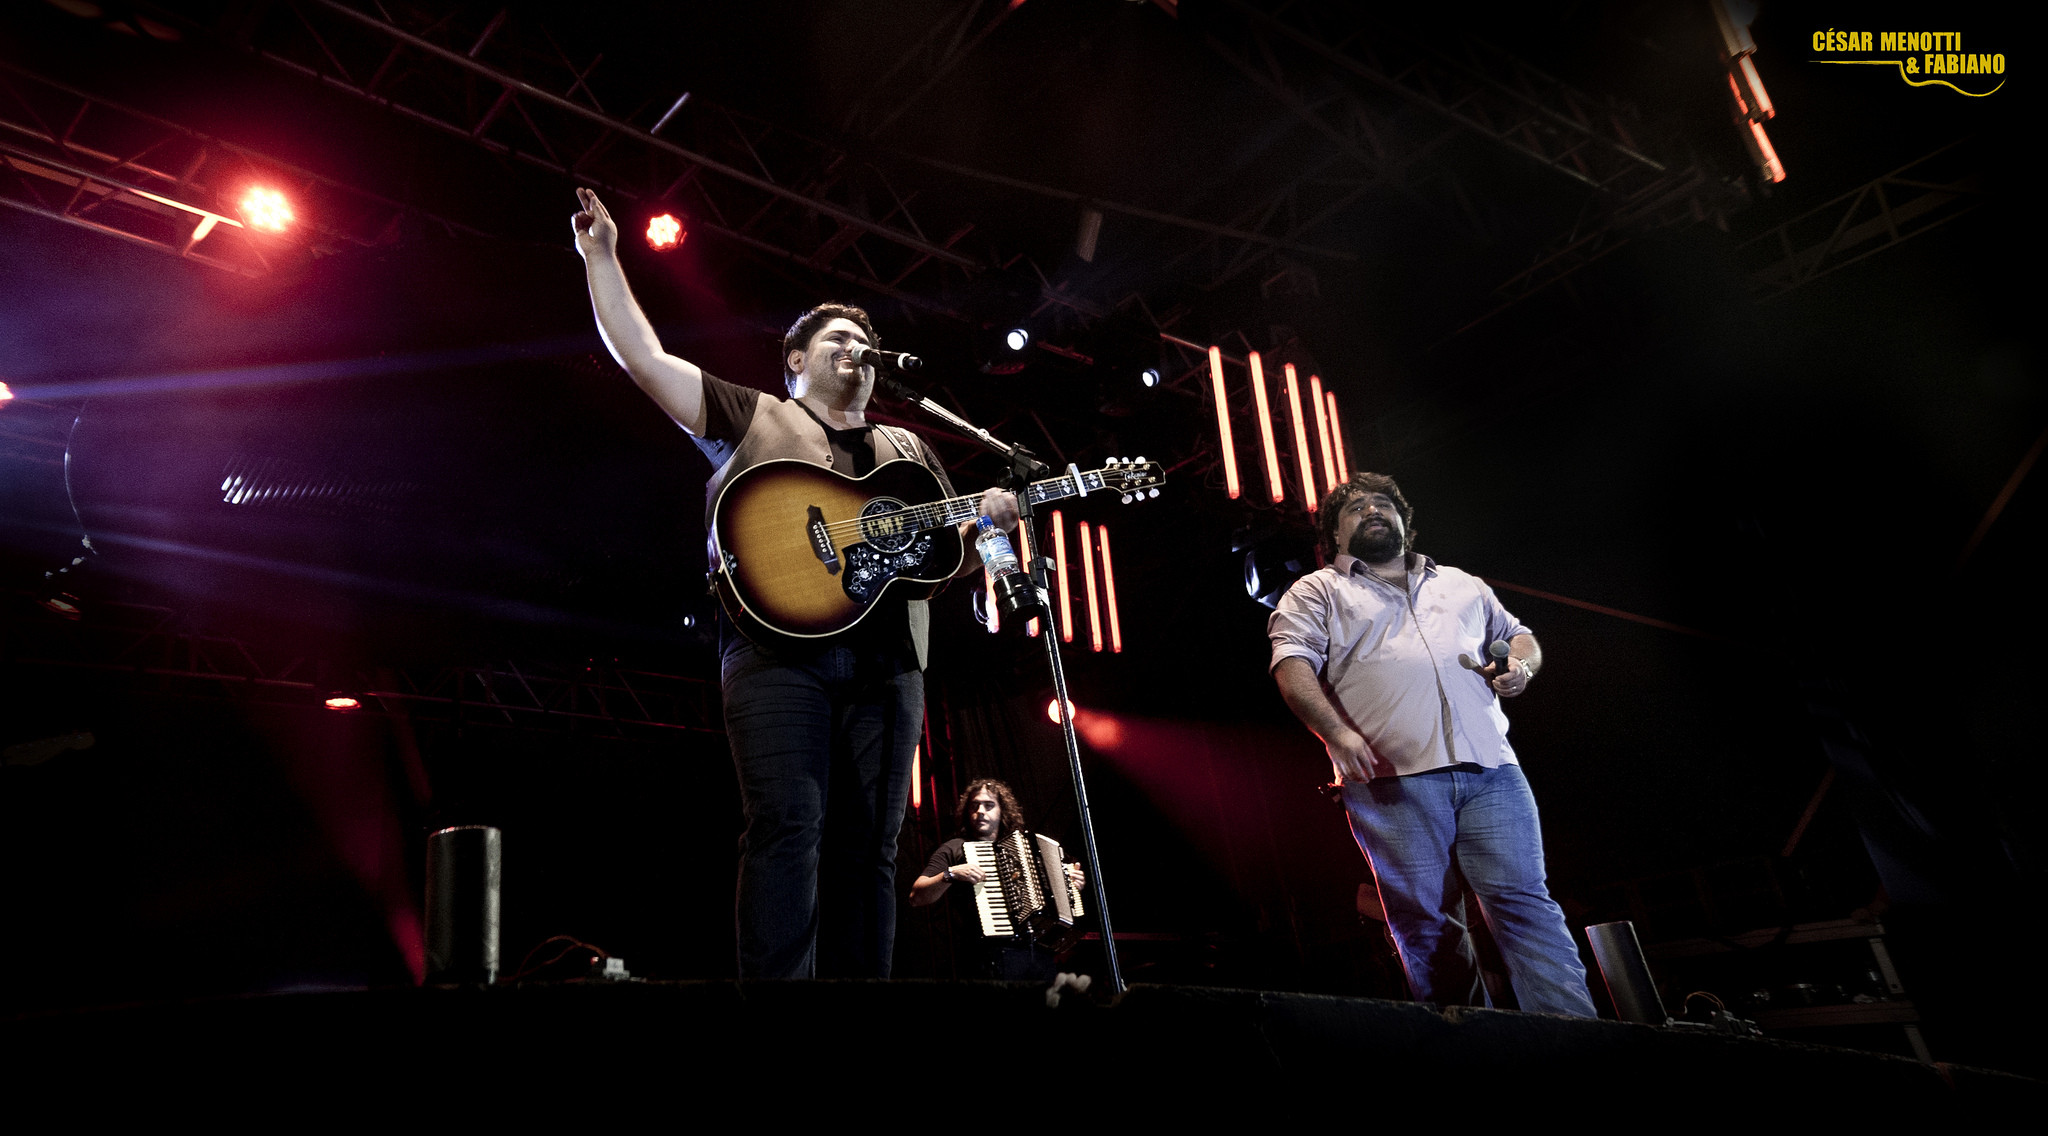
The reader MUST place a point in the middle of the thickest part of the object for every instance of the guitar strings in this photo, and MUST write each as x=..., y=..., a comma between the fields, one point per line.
x=936, y=510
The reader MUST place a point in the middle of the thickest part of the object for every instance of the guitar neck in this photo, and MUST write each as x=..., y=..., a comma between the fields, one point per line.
x=958, y=510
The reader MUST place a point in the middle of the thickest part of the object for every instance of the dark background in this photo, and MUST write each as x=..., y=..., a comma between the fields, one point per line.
x=1789, y=481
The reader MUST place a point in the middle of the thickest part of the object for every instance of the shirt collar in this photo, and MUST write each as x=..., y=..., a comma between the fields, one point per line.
x=1349, y=565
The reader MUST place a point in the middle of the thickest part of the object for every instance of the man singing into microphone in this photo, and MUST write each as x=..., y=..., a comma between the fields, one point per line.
x=821, y=735
x=1380, y=654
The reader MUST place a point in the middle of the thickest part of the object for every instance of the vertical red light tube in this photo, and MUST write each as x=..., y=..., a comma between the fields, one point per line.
x=916, y=780
x=1116, y=627
x=1762, y=99
x=1337, y=436
x=1024, y=556
x=1059, y=563
x=1088, y=573
x=1315, y=394
x=1308, y=472
x=1273, y=479
x=1223, y=422
x=1768, y=155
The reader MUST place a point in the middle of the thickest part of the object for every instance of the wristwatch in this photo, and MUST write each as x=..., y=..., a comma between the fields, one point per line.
x=949, y=875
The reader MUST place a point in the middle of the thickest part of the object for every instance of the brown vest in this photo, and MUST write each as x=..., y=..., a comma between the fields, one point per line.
x=783, y=429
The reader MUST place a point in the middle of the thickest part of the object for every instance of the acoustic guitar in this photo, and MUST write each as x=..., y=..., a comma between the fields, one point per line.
x=806, y=552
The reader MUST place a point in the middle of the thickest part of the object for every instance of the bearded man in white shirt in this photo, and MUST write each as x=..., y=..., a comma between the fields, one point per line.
x=1379, y=653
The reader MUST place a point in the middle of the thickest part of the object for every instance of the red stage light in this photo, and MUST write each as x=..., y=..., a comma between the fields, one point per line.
x=1308, y=472
x=1756, y=88
x=665, y=232
x=266, y=209
x=1266, y=429
x=1116, y=628
x=1766, y=154
x=343, y=702
x=1337, y=436
x=1315, y=393
x=1059, y=564
x=1052, y=709
x=1223, y=422
x=916, y=782
x=1088, y=574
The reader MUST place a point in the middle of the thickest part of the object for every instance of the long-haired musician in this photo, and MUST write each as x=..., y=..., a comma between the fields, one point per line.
x=987, y=811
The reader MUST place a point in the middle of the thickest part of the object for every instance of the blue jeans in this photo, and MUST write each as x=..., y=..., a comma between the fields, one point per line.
x=1428, y=834
x=822, y=743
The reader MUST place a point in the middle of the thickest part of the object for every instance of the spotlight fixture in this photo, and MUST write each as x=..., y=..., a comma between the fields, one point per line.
x=342, y=701
x=1274, y=558
x=665, y=232
x=5, y=393
x=999, y=349
x=266, y=209
x=1052, y=710
x=1149, y=376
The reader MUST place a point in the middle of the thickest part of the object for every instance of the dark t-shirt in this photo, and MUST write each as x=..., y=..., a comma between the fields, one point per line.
x=1015, y=958
x=729, y=413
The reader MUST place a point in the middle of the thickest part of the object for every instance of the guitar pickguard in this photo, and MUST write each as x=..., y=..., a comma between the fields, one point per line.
x=868, y=567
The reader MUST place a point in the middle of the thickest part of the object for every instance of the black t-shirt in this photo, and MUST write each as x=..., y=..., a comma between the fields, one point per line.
x=1015, y=957
x=729, y=413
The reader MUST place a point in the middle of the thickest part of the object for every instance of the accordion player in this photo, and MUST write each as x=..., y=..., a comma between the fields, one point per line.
x=1026, y=890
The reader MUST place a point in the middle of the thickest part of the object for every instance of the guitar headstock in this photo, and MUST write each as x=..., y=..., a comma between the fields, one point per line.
x=1134, y=478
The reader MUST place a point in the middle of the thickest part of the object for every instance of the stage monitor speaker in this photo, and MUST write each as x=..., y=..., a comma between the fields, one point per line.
x=462, y=905
x=1629, y=983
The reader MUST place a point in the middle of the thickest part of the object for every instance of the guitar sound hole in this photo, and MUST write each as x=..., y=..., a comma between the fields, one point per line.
x=886, y=534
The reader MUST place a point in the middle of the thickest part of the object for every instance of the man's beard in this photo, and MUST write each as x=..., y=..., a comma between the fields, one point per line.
x=1374, y=545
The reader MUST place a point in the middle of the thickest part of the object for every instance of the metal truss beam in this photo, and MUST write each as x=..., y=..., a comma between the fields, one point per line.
x=1601, y=144
x=949, y=41
x=87, y=161
x=1881, y=214
x=149, y=647
x=510, y=89
x=1485, y=90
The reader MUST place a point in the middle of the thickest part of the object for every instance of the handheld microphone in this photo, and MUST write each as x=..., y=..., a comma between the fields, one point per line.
x=885, y=360
x=1499, y=651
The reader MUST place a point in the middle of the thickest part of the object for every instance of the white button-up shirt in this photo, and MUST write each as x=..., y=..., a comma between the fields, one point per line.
x=1389, y=660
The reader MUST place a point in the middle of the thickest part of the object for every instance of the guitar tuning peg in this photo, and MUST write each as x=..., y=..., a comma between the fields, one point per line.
x=1140, y=460
x=1155, y=493
x=1127, y=498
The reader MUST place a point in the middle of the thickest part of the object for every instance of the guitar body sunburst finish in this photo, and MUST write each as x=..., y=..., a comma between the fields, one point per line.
x=806, y=552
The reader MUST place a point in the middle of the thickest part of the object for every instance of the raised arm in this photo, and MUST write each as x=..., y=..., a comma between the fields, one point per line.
x=676, y=385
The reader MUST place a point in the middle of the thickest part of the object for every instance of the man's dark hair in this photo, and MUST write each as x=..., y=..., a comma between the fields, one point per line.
x=806, y=327
x=1013, y=813
x=1360, y=483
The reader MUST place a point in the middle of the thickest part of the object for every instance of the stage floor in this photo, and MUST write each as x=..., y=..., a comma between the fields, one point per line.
x=843, y=1048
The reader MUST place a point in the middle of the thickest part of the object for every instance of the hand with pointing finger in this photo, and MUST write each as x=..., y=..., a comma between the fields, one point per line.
x=596, y=232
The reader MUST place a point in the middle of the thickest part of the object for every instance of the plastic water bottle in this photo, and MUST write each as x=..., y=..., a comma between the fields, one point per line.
x=996, y=554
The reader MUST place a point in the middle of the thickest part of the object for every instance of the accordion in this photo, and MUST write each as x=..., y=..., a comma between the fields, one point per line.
x=1026, y=891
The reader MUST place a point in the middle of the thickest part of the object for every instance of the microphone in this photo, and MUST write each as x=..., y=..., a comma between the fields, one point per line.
x=885, y=360
x=1499, y=651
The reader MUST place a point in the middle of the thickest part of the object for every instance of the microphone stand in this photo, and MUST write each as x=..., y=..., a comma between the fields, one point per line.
x=1024, y=468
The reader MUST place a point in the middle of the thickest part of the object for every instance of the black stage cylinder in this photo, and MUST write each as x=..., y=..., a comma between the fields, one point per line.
x=462, y=905
x=1627, y=973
